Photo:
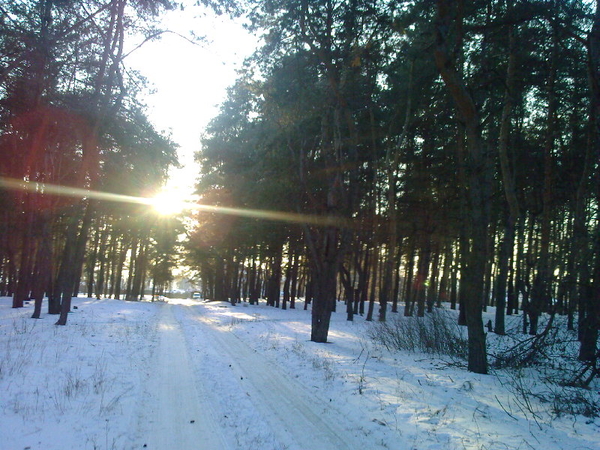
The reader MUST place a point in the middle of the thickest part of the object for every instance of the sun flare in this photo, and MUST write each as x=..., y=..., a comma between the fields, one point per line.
x=169, y=202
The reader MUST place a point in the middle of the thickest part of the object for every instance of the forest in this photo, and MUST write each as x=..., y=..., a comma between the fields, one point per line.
x=71, y=118
x=380, y=157
x=450, y=148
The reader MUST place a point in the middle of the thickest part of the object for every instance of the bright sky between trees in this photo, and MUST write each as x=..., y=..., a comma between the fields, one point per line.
x=188, y=81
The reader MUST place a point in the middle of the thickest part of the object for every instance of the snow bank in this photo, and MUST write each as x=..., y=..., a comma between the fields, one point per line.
x=92, y=384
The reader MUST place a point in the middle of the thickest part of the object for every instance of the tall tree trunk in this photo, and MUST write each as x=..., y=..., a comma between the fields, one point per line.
x=348, y=284
x=113, y=265
x=445, y=280
x=220, y=292
x=478, y=183
x=453, y=286
x=91, y=264
x=82, y=241
x=142, y=265
x=408, y=290
x=23, y=290
x=397, y=278
x=132, y=268
x=43, y=272
x=433, y=280
x=253, y=295
x=540, y=291
x=122, y=252
x=274, y=287
x=588, y=350
x=373, y=285
x=392, y=160
x=287, y=284
x=363, y=282
x=325, y=281
x=294, y=279
x=64, y=283
x=420, y=292
x=102, y=256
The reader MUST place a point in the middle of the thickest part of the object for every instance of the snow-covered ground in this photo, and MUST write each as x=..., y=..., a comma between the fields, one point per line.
x=194, y=375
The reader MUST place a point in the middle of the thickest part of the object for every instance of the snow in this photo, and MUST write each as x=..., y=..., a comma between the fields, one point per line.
x=206, y=375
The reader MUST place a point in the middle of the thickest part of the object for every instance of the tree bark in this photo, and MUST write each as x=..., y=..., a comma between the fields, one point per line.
x=43, y=273
x=540, y=291
x=294, y=279
x=408, y=290
x=478, y=179
x=325, y=286
x=373, y=288
x=64, y=282
x=588, y=350
x=420, y=292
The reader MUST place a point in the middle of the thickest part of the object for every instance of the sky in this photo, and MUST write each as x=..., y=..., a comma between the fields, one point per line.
x=188, y=81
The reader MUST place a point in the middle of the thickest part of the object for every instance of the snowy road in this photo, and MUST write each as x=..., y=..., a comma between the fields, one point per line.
x=295, y=416
x=182, y=417
x=184, y=411
x=190, y=375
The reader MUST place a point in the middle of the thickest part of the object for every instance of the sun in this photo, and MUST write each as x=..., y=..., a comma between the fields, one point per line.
x=169, y=202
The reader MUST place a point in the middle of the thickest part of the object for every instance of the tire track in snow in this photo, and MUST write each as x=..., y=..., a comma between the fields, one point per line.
x=296, y=417
x=181, y=412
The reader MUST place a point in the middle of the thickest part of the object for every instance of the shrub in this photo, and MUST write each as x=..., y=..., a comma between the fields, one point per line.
x=436, y=333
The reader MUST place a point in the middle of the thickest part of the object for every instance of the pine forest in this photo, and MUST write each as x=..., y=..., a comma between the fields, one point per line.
x=374, y=159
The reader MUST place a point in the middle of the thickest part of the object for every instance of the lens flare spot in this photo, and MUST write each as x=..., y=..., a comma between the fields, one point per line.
x=169, y=202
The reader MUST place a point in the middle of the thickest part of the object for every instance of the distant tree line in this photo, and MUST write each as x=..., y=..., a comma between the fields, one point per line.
x=70, y=116
x=454, y=144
